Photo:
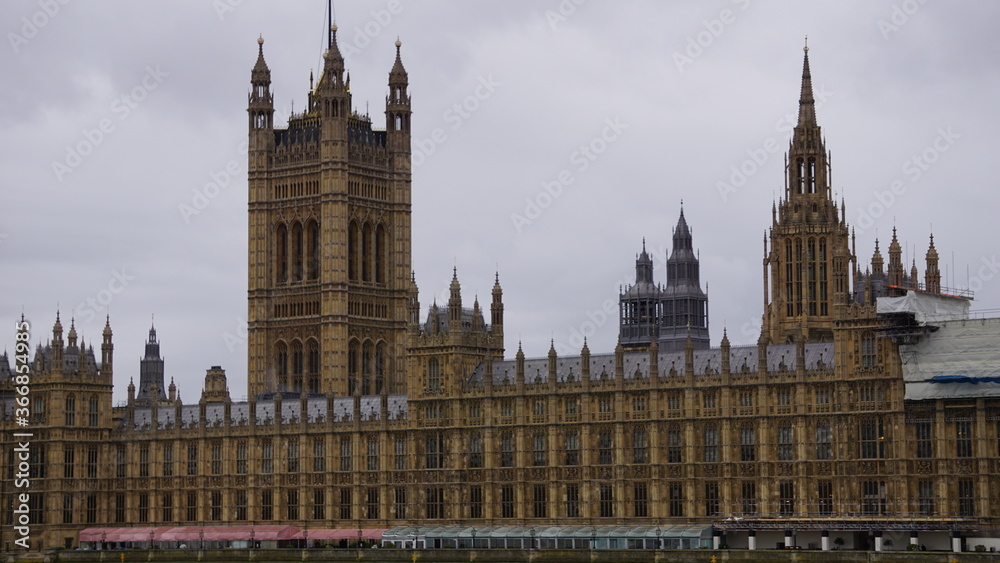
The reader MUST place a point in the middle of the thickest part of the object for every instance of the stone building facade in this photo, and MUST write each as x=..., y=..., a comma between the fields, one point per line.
x=361, y=415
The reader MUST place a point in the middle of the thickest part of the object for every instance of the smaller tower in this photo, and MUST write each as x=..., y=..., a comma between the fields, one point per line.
x=496, y=315
x=107, y=352
x=639, y=306
x=932, y=276
x=397, y=108
x=877, y=262
x=216, y=386
x=684, y=305
x=260, y=106
x=151, y=372
x=455, y=305
x=895, y=270
x=413, y=306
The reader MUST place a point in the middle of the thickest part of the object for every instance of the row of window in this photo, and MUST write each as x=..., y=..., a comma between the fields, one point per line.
x=805, y=277
x=92, y=419
x=744, y=398
x=366, y=252
x=874, y=501
x=367, y=364
x=297, y=252
x=871, y=445
x=302, y=360
x=670, y=312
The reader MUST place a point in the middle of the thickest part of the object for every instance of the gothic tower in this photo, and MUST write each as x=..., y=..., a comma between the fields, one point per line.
x=639, y=306
x=151, y=372
x=809, y=256
x=932, y=275
x=329, y=257
x=684, y=305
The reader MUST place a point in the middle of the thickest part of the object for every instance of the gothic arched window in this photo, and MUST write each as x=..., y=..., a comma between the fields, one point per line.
x=366, y=252
x=366, y=367
x=352, y=250
x=313, y=351
x=281, y=253
x=352, y=366
x=297, y=251
x=312, y=262
x=380, y=367
x=380, y=254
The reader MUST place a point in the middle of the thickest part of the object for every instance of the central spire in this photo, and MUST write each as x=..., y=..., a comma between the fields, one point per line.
x=807, y=105
x=807, y=158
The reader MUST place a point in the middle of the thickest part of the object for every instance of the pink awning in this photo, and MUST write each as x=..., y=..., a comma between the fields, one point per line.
x=189, y=533
x=340, y=534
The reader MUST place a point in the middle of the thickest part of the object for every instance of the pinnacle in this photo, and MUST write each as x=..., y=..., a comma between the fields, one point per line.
x=398, y=72
x=807, y=108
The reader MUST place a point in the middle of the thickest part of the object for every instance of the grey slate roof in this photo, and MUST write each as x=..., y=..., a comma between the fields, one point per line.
x=636, y=364
x=291, y=412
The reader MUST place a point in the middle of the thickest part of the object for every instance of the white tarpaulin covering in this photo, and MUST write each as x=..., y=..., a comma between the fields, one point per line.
x=926, y=307
x=960, y=359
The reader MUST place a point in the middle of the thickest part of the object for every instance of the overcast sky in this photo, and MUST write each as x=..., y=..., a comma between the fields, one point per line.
x=673, y=98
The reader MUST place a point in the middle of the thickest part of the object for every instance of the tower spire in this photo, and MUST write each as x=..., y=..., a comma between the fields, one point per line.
x=807, y=105
x=800, y=308
x=329, y=25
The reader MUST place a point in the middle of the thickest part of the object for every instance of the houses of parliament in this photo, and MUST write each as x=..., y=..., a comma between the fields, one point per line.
x=366, y=410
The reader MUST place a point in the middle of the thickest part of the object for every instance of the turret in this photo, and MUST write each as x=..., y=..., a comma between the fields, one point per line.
x=684, y=305
x=455, y=305
x=107, y=352
x=151, y=371
x=260, y=103
x=477, y=317
x=519, y=368
x=639, y=306
x=57, y=345
x=895, y=271
x=435, y=325
x=397, y=108
x=877, y=262
x=553, y=361
x=496, y=313
x=932, y=275
x=334, y=97
x=724, y=350
x=413, y=305
x=71, y=337
x=216, y=386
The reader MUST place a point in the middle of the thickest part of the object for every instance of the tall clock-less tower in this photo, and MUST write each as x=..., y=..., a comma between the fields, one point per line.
x=809, y=257
x=329, y=248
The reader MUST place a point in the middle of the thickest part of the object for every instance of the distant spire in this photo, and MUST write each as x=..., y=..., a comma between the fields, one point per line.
x=807, y=105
